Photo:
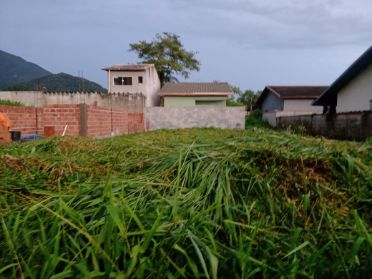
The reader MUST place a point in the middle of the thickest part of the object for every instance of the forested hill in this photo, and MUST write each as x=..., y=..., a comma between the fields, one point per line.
x=59, y=82
x=14, y=70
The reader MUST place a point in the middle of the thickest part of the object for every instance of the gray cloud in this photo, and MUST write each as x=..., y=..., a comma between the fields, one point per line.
x=285, y=23
x=248, y=43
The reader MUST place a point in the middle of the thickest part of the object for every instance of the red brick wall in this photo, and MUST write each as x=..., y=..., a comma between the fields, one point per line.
x=120, y=122
x=104, y=122
x=136, y=122
x=101, y=122
x=58, y=116
x=24, y=119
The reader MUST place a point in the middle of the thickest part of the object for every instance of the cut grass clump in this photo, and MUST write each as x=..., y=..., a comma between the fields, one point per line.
x=187, y=203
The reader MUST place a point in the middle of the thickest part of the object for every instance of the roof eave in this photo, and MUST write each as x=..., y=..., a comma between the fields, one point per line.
x=195, y=94
x=330, y=94
x=299, y=97
x=124, y=70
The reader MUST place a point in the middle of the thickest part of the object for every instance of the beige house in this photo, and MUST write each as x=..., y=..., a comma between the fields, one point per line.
x=189, y=94
x=352, y=91
x=276, y=101
x=135, y=78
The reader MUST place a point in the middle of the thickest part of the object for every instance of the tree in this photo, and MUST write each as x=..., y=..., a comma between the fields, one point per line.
x=232, y=101
x=169, y=56
x=247, y=98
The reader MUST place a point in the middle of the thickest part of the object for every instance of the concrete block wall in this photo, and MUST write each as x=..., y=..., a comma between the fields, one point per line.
x=27, y=98
x=350, y=126
x=119, y=101
x=271, y=117
x=198, y=116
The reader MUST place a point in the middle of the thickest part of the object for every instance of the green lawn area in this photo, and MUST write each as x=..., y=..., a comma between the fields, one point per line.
x=191, y=203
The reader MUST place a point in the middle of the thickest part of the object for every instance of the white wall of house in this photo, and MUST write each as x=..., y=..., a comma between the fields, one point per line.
x=270, y=117
x=149, y=87
x=152, y=88
x=134, y=88
x=303, y=105
x=357, y=95
x=182, y=101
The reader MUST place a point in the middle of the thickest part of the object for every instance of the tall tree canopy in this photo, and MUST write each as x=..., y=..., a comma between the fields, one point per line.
x=169, y=56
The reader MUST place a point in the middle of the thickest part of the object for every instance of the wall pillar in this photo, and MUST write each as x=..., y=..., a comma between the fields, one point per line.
x=83, y=120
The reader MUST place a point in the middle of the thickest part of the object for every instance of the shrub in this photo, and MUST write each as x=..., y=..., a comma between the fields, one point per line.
x=10, y=103
x=254, y=119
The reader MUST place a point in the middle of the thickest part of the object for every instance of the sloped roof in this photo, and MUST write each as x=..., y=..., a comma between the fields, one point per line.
x=292, y=92
x=196, y=89
x=128, y=67
x=329, y=96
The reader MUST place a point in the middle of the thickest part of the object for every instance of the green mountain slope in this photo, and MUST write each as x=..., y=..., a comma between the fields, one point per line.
x=14, y=69
x=59, y=82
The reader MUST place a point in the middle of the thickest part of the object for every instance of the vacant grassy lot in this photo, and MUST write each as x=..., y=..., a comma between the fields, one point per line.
x=188, y=203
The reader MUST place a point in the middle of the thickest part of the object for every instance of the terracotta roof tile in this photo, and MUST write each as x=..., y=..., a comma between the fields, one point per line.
x=292, y=92
x=305, y=92
x=128, y=67
x=196, y=88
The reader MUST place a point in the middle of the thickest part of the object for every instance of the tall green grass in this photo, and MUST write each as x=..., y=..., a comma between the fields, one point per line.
x=201, y=203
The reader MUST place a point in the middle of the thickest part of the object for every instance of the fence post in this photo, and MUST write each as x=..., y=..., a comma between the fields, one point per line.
x=83, y=120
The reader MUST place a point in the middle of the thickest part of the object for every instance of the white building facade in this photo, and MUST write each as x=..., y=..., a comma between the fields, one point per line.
x=136, y=78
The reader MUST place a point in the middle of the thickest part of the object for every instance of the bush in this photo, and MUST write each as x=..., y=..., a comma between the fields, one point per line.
x=254, y=119
x=10, y=103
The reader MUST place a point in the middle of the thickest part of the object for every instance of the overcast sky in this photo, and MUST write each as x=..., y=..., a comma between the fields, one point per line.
x=247, y=43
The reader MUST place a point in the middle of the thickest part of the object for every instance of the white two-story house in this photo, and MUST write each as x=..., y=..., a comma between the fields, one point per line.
x=135, y=78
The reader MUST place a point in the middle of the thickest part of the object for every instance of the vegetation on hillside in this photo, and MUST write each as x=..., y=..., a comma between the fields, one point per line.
x=193, y=203
x=14, y=70
x=59, y=82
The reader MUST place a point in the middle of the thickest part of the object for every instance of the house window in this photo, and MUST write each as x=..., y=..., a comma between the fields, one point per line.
x=123, y=81
x=127, y=80
x=140, y=79
x=118, y=81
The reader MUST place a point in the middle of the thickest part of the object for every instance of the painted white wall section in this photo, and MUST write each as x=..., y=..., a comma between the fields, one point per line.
x=357, y=95
x=301, y=106
x=149, y=87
